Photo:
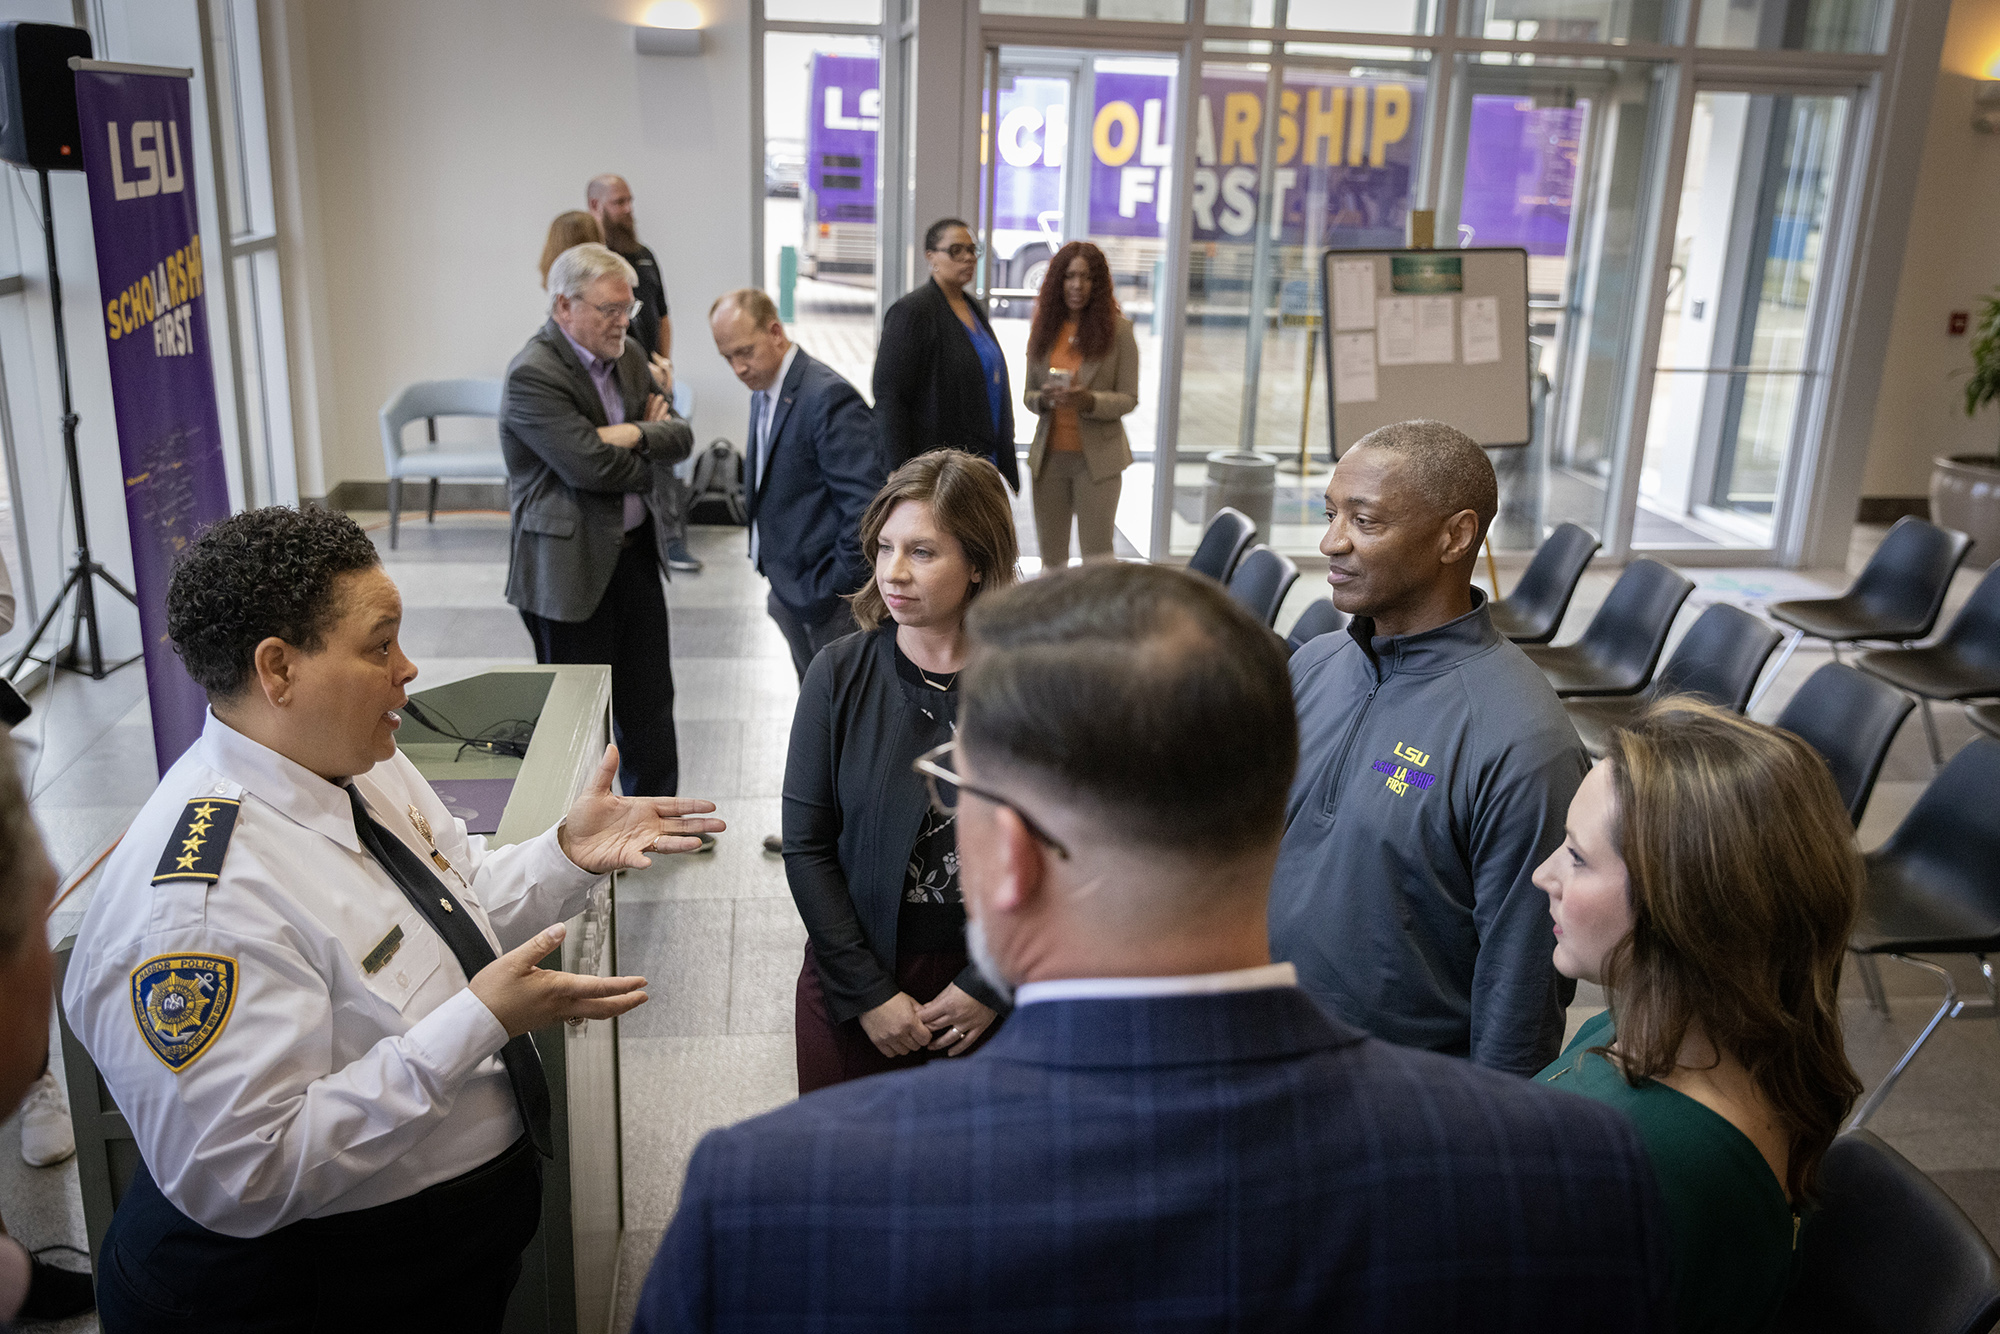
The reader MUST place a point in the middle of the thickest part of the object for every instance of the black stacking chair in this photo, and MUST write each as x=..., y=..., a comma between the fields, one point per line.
x=1621, y=645
x=1964, y=663
x=1888, y=1253
x=1985, y=717
x=1260, y=583
x=1719, y=659
x=1319, y=618
x=1223, y=543
x=1533, y=612
x=1896, y=598
x=1934, y=888
x=1850, y=719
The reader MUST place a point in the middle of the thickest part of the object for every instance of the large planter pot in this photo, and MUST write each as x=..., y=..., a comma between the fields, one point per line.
x=1965, y=494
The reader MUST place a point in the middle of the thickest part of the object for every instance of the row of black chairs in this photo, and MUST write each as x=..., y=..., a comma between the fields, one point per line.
x=1896, y=601
x=1608, y=675
x=1256, y=576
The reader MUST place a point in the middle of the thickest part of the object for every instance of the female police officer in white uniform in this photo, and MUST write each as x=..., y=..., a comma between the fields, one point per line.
x=338, y=1130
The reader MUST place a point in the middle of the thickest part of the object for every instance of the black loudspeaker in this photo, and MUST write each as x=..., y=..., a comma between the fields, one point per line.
x=39, y=128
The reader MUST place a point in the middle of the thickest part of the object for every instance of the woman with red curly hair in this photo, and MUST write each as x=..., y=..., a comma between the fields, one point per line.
x=1083, y=377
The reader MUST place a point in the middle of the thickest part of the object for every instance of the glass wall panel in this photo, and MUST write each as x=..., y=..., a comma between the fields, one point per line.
x=822, y=122
x=823, y=11
x=1573, y=20
x=1336, y=166
x=1157, y=11
x=1794, y=25
x=1735, y=341
x=1560, y=158
x=1084, y=152
x=1398, y=16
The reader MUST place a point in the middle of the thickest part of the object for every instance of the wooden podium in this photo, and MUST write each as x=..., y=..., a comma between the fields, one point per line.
x=569, y=1273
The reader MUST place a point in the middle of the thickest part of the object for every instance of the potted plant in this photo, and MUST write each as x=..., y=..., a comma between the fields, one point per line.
x=1965, y=488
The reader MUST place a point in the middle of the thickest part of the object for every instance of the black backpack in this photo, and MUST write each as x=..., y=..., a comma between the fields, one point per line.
x=716, y=494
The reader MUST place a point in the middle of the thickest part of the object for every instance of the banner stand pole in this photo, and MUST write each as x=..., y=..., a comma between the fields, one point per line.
x=85, y=567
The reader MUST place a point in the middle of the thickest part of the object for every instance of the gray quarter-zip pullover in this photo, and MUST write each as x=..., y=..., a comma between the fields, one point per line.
x=1435, y=774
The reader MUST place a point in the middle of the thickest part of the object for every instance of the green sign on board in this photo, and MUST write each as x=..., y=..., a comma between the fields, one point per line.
x=1426, y=273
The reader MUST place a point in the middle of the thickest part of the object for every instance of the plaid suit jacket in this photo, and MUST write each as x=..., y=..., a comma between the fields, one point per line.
x=1231, y=1162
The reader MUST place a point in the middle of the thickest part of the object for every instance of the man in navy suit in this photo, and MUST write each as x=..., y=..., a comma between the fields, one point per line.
x=1167, y=1134
x=811, y=466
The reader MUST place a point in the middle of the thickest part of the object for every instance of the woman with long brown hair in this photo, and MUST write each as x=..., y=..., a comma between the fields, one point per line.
x=569, y=229
x=1708, y=880
x=873, y=868
x=1083, y=377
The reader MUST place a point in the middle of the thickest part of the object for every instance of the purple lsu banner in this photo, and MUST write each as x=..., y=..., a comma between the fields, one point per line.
x=138, y=153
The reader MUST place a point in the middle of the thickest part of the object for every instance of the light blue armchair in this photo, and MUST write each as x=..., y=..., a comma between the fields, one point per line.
x=426, y=401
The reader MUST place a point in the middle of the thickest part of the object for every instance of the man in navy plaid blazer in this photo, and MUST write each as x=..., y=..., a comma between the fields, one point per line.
x=1166, y=1134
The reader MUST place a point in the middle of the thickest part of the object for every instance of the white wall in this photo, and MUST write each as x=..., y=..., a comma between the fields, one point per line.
x=435, y=141
x=1952, y=261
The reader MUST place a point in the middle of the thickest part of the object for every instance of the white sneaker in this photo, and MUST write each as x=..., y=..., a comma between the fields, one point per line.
x=46, y=1136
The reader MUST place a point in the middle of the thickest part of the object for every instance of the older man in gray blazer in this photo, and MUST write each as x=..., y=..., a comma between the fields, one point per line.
x=590, y=437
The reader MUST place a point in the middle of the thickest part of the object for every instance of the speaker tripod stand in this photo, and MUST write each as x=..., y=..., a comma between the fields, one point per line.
x=84, y=569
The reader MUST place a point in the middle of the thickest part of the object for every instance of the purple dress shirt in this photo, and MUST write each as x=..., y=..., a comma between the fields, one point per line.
x=604, y=374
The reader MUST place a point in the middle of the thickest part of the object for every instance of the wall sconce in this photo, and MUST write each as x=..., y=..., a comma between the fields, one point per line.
x=1986, y=106
x=670, y=28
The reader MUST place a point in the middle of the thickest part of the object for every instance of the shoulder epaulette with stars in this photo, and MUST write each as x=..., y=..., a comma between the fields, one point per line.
x=200, y=838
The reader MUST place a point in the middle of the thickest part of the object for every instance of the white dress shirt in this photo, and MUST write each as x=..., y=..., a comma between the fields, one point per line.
x=1260, y=978
x=328, y=1088
x=762, y=444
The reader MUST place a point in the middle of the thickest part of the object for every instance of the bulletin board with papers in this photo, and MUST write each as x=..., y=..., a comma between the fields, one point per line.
x=1427, y=333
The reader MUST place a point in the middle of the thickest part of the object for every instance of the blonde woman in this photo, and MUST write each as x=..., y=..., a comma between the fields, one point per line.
x=873, y=867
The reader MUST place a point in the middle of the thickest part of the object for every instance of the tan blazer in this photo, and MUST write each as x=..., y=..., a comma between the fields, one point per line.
x=1114, y=378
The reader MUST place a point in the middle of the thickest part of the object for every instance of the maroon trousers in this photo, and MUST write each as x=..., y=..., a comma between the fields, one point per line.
x=831, y=1053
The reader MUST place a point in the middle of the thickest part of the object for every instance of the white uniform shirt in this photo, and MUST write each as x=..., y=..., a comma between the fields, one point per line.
x=326, y=1088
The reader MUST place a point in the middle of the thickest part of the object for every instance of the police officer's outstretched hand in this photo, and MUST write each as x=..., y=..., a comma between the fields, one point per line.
x=607, y=832
x=524, y=998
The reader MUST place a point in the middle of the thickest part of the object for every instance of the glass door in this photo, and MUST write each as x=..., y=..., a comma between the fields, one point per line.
x=1555, y=156
x=1079, y=147
x=1740, y=351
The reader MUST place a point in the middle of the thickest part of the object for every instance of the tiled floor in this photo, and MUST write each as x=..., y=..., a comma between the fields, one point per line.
x=717, y=934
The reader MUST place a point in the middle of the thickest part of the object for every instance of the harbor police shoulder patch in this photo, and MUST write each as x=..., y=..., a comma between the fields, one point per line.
x=181, y=1002
x=200, y=838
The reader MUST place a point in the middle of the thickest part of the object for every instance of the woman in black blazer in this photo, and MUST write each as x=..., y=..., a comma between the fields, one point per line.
x=940, y=379
x=873, y=867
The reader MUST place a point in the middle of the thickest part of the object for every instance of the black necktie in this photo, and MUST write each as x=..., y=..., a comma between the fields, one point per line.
x=449, y=919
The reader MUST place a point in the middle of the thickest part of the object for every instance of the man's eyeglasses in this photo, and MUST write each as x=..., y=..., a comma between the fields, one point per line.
x=945, y=785
x=611, y=310
x=960, y=252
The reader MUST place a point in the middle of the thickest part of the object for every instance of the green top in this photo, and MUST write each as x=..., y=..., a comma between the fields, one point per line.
x=1733, y=1231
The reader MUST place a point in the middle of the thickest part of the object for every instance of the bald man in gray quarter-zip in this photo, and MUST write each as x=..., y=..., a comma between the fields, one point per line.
x=1435, y=769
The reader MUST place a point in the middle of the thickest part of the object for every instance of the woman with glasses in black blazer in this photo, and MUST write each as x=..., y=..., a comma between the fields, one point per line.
x=940, y=378
x=872, y=862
